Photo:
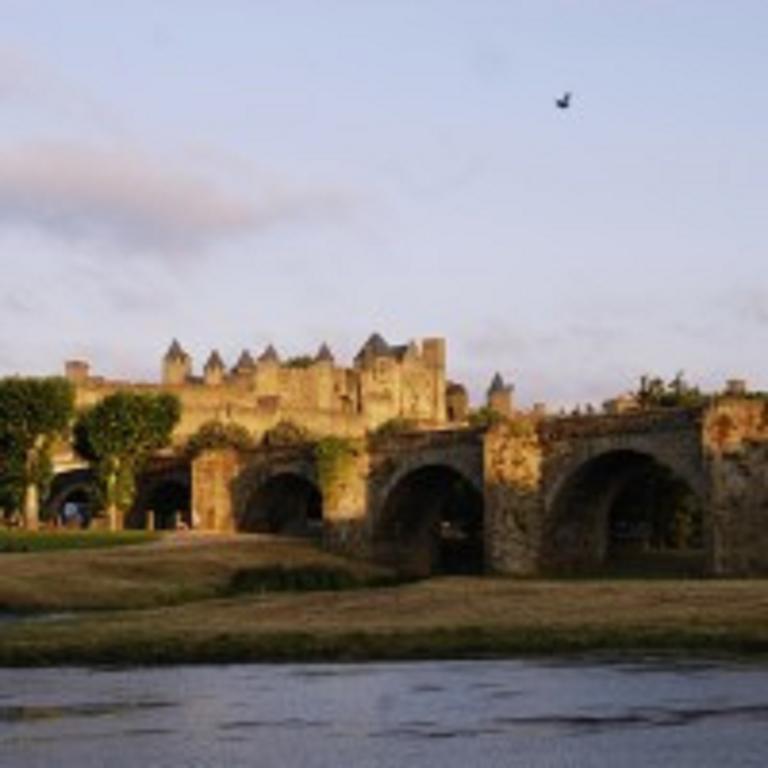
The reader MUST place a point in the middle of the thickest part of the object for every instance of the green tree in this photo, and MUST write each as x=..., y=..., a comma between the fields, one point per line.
x=484, y=417
x=654, y=392
x=117, y=436
x=33, y=413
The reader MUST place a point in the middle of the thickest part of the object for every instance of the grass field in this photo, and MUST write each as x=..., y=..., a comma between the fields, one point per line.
x=179, y=601
x=170, y=570
x=47, y=541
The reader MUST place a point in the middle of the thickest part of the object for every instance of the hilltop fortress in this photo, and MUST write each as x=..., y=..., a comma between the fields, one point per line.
x=386, y=382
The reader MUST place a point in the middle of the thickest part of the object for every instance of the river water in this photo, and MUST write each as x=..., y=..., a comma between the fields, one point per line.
x=440, y=715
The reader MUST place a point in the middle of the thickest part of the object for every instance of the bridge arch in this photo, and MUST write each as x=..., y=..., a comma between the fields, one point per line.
x=285, y=502
x=163, y=498
x=431, y=520
x=72, y=499
x=626, y=510
x=170, y=502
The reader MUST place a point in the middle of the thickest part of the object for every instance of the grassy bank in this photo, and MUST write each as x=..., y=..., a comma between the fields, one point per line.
x=49, y=541
x=236, y=600
x=171, y=570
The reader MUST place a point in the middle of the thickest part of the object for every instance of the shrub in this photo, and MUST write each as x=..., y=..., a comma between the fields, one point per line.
x=215, y=435
x=286, y=433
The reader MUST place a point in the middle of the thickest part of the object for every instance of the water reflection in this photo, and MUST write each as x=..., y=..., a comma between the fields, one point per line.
x=425, y=714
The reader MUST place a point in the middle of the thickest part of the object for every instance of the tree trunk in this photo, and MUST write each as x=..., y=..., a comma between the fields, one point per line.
x=113, y=512
x=115, y=517
x=31, y=508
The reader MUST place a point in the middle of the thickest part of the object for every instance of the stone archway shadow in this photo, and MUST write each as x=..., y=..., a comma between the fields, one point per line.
x=285, y=503
x=431, y=522
x=625, y=512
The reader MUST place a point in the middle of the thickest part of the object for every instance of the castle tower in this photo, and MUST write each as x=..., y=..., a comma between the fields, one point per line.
x=324, y=355
x=433, y=353
x=268, y=372
x=373, y=348
x=323, y=365
x=177, y=365
x=245, y=365
x=456, y=402
x=213, y=372
x=500, y=396
x=77, y=371
x=269, y=355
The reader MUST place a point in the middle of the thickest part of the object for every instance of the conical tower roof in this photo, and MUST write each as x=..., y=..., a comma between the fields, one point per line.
x=176, y=351
x=498, y=385
x=269, y=355
x=245, y=362
x=324, y=354
x=214, y=361
x=375, y=346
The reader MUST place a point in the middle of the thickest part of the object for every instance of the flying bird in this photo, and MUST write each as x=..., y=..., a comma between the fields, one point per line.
x=564, y=102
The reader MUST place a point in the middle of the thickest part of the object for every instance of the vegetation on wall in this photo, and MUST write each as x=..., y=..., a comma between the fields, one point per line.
x=654, y=392
x=395, y=426
x=334, y=457
x=33, y=413
x=216, y=435
x=117, y=436
x=482, y=418
x=286, y=433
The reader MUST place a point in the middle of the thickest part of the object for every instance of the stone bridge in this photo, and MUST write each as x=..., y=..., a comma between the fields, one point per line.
x=552, y=495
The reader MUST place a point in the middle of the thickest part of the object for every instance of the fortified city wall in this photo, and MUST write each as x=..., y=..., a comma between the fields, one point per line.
x=385, y=382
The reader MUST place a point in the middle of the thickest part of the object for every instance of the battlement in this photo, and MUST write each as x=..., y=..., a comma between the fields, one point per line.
x=384, y=382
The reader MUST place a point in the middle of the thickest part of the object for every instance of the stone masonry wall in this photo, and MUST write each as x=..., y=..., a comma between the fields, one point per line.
x=213, y=475
x=736, y=445
x=513, y=498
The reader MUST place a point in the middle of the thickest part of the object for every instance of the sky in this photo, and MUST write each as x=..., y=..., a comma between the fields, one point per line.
x=244, y=172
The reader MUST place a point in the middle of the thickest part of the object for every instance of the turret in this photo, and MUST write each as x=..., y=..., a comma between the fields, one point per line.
x=457, y=402
x=736, y=387
x=177, y=365
x=268, y=372
x=500, y=396
x=213, y=372
x=77, y=371
x=433, y=354
x=324, y=355
x=269, y=356
x=245, y=365
x=433, y=351
x=374, y=347
x=323, y=374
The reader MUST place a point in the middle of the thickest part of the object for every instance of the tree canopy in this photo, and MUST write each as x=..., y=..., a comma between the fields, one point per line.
x=118, y=435
x=676, y=393
x=33, y=413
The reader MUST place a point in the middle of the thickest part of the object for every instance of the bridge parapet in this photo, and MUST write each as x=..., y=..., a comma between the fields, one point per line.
x=594, y=425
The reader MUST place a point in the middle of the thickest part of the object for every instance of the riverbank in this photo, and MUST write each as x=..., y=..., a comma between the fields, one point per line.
x=169, y=604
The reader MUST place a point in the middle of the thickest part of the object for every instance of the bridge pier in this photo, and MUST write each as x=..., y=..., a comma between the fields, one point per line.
x=735, y=438
x=514, y=504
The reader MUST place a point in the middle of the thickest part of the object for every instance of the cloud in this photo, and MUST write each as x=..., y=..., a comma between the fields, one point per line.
x=19, y=73
x=123, y=198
